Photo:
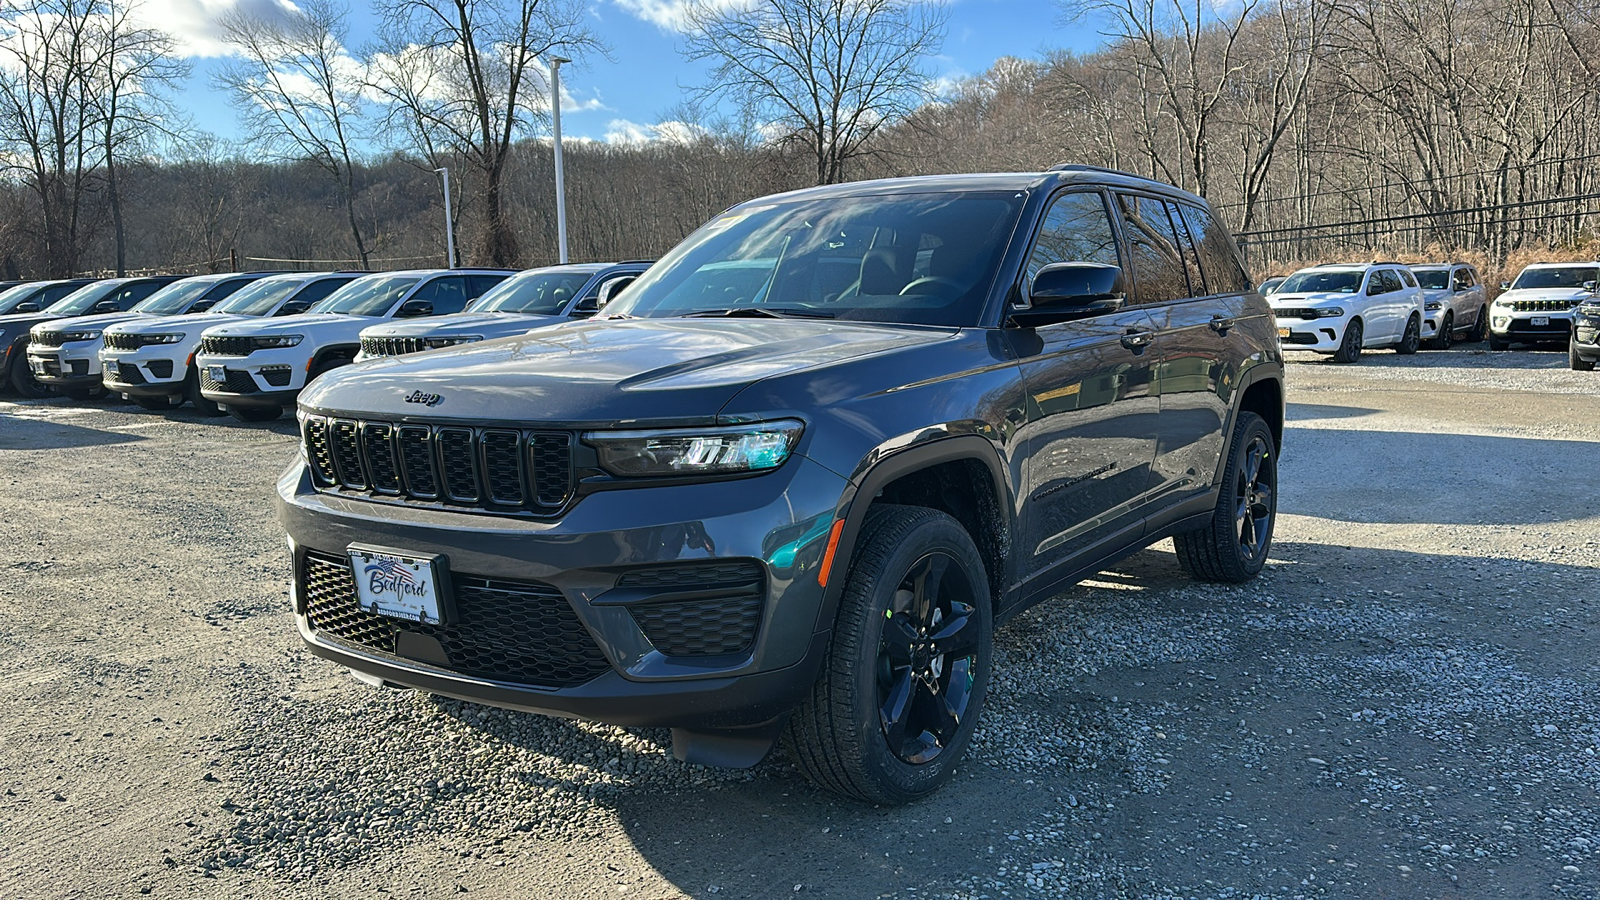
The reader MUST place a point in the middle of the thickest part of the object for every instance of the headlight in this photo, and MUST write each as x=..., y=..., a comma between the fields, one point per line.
x=71, y=336
x=1433, y=305
x=719, y=450
x=162, y=338
x=276, y=341
x=438, y=342
x=1326, y=312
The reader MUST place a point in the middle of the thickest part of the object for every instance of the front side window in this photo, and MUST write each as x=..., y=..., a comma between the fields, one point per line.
x=1408, y=278
x=448, y=295
x=1076, y=229
x=369, y=295
x=78, y=299
x=925, y=259
x=533, y=292
x=1465, y=279
x=174, y=298
x=1555, y=277
x=259, y=298
x=1158, y=272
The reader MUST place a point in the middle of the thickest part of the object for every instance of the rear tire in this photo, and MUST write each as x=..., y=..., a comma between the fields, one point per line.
x=1446, y=335
x=908, y=667
x=22, y=380
x=1350, y=347
x=1480, y=327
x=254, y=413
x=1234, y=545
x=1578, y=363
x=1412, y=338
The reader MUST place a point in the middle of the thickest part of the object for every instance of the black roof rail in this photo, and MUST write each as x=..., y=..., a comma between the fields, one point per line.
x=1081, y=167
x=629, y=262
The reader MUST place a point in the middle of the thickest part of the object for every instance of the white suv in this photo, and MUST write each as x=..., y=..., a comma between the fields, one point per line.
x=254, y=369
x=1538, y=306
x=150, y=361
x=527, y=300
x=1453, y=303
x=1344, y=309
x=64, y=354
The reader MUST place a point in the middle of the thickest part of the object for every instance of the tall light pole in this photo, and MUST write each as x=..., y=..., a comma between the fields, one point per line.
x=561, y=185
x=449, y=223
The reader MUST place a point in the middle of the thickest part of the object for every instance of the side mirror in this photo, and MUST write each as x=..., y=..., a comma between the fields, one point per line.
x=1505, y=285
x=202, y=306
x=412, y=309
x=1062, y=292
x=107, y=306
x=1589, y=286
x=613, y=287
x=26, y=306
x=293, y=308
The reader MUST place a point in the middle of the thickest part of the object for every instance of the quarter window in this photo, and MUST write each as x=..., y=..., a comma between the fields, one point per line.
x=1158, y=273
x=1218, y=257
x=1076, y=229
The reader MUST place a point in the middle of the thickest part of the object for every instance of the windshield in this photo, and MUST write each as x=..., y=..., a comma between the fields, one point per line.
x=1564, y=277
x=82, y=300
x=1321, y=283
x=923, y=258
x=1433, y=279
x=536, y=292
x=370, y=295
x=174, y=298
x=12, y=296
x=259, y=298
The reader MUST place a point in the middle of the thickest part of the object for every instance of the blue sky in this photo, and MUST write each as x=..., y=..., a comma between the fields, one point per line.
x=645, y=76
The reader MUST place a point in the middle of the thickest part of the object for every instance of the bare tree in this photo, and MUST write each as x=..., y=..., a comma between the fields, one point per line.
x=829, y=73
x=299, y=91
x=466, y=79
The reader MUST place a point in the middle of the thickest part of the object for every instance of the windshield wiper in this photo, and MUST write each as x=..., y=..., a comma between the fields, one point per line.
x=768, y=312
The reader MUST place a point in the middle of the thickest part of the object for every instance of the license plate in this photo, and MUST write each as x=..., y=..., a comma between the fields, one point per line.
x=219, y=374
x=1283, y=332
x=397, y=585
x=37, y=367
x=1539, y=320
x=111, y=369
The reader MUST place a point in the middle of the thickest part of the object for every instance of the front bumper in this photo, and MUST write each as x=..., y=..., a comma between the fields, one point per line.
x=65, y=368
x=1586, y=340
x=776, y=522
x=1319, y=335
x=148, y=372
x=1520, y=326
x=264, y=378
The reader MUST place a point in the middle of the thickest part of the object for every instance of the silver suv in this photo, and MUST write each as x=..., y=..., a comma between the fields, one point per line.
x=1453, y=303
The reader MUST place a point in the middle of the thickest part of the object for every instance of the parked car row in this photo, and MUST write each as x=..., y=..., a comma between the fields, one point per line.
x=246, y=343
x=1343, y=309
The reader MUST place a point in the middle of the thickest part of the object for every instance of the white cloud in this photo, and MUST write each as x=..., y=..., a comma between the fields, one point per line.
x=668, y=14
x=193, y=23
x=623, y=131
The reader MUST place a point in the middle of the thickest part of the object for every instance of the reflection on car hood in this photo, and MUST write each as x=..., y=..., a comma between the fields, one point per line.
x=611, y=372
x=1280, y=301
x=1544, y=294
x=164, y=324
x=102, y=320
x=326, y=326
x=494, y=324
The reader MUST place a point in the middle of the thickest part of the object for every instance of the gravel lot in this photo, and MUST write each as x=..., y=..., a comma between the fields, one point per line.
x=1404, y=705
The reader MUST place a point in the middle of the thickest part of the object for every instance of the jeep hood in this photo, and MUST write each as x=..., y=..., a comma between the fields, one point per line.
x=608, y=372
x=321, y=327
x=1280, y=301
x=1567, y=294
x=192, y=321
x=489, y=325
x=83, y=323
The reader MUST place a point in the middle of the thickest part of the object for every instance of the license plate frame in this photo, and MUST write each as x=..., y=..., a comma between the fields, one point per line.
x=219, y=374
x=1539, y=321
x=1283, y=332
x=401, y=584
x=38, y=368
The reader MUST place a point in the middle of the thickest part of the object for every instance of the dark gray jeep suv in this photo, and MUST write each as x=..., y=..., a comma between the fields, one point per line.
x=790, y=481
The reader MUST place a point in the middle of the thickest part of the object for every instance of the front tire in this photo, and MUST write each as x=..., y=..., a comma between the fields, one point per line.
x=1233, y=546
x=1350, y=347
x=1498, y=343
x=254, y=413
x=908, y=666
x=1578, y=363
x=1411, y=339
x=1446, y=335
x=191, y=390
x=22, y=380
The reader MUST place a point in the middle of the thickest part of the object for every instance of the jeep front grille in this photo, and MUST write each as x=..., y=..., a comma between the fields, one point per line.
x=503, y=470
x=237, y=383
x=391, y=346
x=116, y=341
x=1296, y=313
x=521, y=632
x=226, y=345
x=49, y=339
x=1544, y=305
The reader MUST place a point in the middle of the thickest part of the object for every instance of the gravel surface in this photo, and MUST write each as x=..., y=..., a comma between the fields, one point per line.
x=1404, y=705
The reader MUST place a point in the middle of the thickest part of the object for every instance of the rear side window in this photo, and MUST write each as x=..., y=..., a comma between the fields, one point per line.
x=1219, y=258
x=133, y=293
x=1408, y=278
x=224, y=289
x=1158, y=273
x=1076, y=229
x=478, y=285
x=320, y=289
x=51, y=294
x=448, y=295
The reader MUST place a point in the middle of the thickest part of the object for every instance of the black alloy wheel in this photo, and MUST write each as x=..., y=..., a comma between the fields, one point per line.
x=1480, y=326
x=1350, y=346
x=1576, y=362
x=1233, y=547
x=22, y=380
x=1447, y=333
x=1412, y=338
x=907, y=669
x=927, y=659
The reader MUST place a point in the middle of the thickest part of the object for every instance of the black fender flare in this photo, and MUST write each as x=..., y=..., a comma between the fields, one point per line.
x=1249, y=378
x=347, y=351
x=853, y=504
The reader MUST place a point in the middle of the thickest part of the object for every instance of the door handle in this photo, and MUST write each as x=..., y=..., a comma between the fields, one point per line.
x=1137, y=340
x=1221, y=324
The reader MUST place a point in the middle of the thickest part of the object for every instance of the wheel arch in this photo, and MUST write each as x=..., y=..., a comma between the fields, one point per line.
x=347, y=352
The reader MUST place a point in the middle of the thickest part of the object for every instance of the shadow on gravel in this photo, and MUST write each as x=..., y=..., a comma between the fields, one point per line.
x=34, y=434
x=1303, y=412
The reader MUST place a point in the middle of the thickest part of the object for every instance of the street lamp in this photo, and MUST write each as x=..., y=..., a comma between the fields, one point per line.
x=449, y=223
x=561, y=187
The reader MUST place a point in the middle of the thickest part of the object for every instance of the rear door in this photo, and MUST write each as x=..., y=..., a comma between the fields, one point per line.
x=1091, y=419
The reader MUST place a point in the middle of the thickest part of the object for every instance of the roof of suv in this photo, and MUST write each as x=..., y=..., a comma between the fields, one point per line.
x=990, y=181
